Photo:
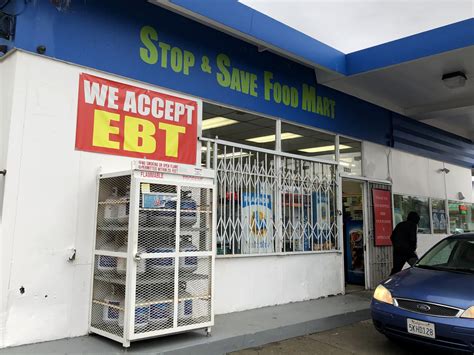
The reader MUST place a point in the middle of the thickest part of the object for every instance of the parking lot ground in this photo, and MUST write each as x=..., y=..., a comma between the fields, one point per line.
x=358, y=338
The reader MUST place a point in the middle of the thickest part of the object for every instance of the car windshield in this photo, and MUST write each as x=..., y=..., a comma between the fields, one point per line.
x=451, y=254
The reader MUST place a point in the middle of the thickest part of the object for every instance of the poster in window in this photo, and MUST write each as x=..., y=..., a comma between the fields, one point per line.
x=382, y=217
x=323, y=210
x=322, y=221
x=354, y=251
x=438, y=216
x=257, y=223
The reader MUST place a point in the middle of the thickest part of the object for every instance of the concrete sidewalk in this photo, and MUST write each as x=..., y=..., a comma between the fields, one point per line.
x=356, y=339
x=231, y=332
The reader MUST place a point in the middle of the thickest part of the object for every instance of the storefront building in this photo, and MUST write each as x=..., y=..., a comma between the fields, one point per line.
x=309, y=180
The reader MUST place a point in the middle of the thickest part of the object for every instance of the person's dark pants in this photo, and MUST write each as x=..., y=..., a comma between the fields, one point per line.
x=400, y=257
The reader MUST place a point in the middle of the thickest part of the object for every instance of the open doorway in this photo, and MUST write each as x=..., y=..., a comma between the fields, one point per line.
x=353, y=229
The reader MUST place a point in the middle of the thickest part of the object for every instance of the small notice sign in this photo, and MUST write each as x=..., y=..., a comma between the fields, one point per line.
x=382, y=216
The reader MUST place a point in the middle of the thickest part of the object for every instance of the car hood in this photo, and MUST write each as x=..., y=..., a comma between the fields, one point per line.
x=443, y=287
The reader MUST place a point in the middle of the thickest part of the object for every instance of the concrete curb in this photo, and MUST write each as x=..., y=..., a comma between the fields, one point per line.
x=225, y=346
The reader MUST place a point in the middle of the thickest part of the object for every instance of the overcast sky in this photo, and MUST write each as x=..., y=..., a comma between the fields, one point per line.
x=350, y=25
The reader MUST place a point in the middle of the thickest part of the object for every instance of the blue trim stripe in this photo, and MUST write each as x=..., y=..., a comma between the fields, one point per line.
x=244, y=19
x=434, y=134
x=445, y=151
x=431, y=142
x=442, y=39
x=300, y=44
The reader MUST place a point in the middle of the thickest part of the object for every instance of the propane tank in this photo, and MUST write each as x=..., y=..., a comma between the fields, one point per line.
x=110, y=312
x=187, y=263
x=111, y=211
x=142, y=218
x=161, y=264
x=185, y=306
x=107, y=263
x=122, y=262
x=123, y=208
x=142, y=313
x=188, y=215
x=185, y=309
x=161, y=311
x=167, y=216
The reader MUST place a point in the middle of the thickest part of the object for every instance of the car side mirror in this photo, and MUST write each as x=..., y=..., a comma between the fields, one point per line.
x=412, y=261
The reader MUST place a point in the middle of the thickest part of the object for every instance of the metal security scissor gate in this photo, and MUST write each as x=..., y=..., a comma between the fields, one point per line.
x=272, y=202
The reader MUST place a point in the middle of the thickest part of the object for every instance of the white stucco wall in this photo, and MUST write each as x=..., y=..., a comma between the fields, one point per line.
x=252, y=282
x=418, y=176
x=458, y=180
x=49, y=208
x=7, y=78
x=7, y=75
x=375, y=161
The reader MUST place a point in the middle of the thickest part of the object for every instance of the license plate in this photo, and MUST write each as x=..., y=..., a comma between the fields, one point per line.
x=424, y=329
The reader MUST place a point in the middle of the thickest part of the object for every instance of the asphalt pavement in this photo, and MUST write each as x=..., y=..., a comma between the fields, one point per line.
x=359, y=338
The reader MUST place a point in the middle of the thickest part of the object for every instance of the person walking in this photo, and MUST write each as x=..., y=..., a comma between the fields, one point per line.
x=404, y=242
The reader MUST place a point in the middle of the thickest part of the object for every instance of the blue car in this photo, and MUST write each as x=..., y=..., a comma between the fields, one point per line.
x=432, y=302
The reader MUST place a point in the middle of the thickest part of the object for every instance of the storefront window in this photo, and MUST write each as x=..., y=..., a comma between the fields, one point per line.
x=405, y=204
x=307, y=142
x=460, y=217
x=269, y=202
x=438, y=216
x=237, y=126
x=350, y=156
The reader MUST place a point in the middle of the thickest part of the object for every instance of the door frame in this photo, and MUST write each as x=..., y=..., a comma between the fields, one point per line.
x=365, y=214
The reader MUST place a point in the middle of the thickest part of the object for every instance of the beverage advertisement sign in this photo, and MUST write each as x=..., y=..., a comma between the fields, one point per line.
x=354, y=251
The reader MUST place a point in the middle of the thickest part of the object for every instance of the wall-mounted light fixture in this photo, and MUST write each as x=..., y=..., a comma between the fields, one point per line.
x=41, y=49
x=461, y=196
x=7, y=26
x=444, y=170
x=454, y=80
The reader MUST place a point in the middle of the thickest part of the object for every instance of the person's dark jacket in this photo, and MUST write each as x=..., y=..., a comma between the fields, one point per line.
x=404, y=235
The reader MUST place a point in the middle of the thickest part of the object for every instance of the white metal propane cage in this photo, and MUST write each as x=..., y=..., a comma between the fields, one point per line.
x=154, y=252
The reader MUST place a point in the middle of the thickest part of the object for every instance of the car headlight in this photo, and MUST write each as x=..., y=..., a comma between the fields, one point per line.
x=381, y=294
x=468, y=313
